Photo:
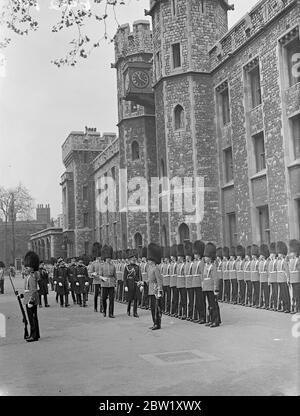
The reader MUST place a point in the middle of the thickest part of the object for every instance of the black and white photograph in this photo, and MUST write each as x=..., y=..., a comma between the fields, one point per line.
x=149, y=204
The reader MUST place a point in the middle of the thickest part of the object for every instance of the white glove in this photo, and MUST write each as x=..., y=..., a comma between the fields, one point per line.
x=126, y=289
x=77, y=284
x=141, y=288
x=86, y=283
x=55, y=282
x=29, y=305
x=60, y=284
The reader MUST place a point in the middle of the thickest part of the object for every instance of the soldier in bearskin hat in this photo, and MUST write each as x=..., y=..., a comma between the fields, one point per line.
x=188, y=252
x=31, y=294
x=255, y=275
x=247, y=277
x=109, y=280
x=283, y=278
x=233, y=276
x=173, y=281
x=263, y=277
x=132, y=282
x=219, y=271
x=294, y=272
x=225, y=272
x=197, y=272
x=95, y=273
x=272, y=277
x=182, y=308
x=240, y=253
x=166, y=304
x=211, y=285
x=155, y=284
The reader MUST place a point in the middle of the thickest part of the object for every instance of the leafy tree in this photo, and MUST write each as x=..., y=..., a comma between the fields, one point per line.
x=21, y=17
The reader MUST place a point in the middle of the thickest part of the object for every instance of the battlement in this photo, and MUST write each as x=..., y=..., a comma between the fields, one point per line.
x=90, y=140
x=262, y=14
x=128, y=42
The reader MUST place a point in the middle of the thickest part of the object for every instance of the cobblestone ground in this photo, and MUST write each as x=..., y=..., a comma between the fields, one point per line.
x=82, y=353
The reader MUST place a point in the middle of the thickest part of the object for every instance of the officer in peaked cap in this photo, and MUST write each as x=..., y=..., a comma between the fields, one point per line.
x=197, y=272
x=225, y=270
x=81, y=282
x=132, y=282
x=240, y=253
x=294, y=272
x=155, y=284
x=283, y=278
x=188, y=273
x=108, y=276
x=61, y=281
x=211, y=285
x=233, y=276
x=182, y=309
x=263, y=276
x=173, y=281
x=272, y=277
x=31, y=294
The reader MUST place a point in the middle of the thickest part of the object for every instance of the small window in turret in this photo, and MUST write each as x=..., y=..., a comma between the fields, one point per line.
x=176, y=52
x=179, y=117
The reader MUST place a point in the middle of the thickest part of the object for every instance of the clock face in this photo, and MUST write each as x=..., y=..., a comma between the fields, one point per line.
x=140, y=79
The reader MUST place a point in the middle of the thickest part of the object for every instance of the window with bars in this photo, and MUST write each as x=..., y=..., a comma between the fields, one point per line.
x=255, y=85
x=176, y=53
x=228, y=165
x=259, y=152
x=179, y=117
x=295, y=123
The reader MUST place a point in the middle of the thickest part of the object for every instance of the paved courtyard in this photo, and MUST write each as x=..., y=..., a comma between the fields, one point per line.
x=82, y=353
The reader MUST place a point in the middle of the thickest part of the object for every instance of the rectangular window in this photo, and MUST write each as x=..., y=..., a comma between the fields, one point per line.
x=259, y=150
x=255, y=85
x=293, y=61
x=174, y=8
x=228, y=165
x=295, y=121
x=232, y=234
x=85, y=193
x=176, y=55
x=85, y=220
x=264, y=224
x=225, y=106
x=158, y=64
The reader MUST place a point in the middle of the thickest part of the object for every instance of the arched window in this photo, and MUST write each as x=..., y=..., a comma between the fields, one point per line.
x=184, y=233
x=135, y=150
x=179, y=117
x=138, y=241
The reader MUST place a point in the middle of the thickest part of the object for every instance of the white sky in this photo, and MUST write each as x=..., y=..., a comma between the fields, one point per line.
x=40, y=104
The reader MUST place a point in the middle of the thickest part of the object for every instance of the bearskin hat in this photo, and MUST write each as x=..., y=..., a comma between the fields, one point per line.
x=2, y=265
x=232, y=251
x=255, y=250
x=173, y=250
x=219, y=252
x=273, y=248
x=199, y=247
x=180, y=250
x=154, y=253
x=225, y=252
x=248, y=251
x=264, y=251
x=240, y=251
x=210, y=251
x=282, y=248
x=188, y=249
x=294, y=247
x=32, y=260
x=106, y=252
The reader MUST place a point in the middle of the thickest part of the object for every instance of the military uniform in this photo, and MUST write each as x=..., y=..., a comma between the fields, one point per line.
x=132, y=280
x=108, y=272
x=166, y=282
x=61, y=281
x=255, y=275
x=81, y=284
x=240, y=251
x=182, y=309
x=247, y=277
x=43, y=286
x=197, y=272
x=263, y=277
x=283, y=278
x=272, y=277
x=188, y=251
x=220, y=273
x=225, y=272
x=72, y=278
x=233, y=277
x=155, y=284
x=31, y=295
x=294, y=273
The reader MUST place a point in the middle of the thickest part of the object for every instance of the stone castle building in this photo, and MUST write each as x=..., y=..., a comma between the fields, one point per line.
x=196, y=101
